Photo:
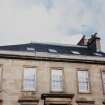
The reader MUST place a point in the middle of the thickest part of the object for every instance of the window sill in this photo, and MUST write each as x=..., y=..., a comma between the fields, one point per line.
x=28, y=91
x=84, y=92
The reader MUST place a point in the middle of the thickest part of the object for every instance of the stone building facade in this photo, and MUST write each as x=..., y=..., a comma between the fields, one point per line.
x=29, y=75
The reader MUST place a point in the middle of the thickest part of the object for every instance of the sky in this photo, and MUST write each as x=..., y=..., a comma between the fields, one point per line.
x=61, y=21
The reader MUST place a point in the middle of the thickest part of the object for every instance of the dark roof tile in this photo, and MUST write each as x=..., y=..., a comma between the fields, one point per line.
x=42, y=47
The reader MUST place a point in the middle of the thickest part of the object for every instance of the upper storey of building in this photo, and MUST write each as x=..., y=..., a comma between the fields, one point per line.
x=87, y=47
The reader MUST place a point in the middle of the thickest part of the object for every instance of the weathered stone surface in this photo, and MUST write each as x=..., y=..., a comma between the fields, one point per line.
x=12, y=80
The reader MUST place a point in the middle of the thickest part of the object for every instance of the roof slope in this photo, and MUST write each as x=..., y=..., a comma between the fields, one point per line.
x=53, y=48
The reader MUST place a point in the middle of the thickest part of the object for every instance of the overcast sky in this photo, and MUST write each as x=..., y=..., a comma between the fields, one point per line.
x=61, y=21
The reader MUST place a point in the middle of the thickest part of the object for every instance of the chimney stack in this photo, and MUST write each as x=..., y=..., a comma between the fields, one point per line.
x=94, y=43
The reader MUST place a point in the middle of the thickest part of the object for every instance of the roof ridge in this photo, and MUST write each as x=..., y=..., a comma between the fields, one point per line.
x=58, y=44
x=13, y=44
x=48, y=43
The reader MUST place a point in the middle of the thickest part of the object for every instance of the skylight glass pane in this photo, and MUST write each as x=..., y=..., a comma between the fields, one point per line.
x=30, y=49
x=52, y=50
x=98, y=54
x=75, y=52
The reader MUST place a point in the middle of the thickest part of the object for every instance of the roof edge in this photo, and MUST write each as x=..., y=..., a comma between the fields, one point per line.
x=51, y=57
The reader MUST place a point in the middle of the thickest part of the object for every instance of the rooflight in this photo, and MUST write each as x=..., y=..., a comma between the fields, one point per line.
x=52, y=50
x=75, y=52
x=97, y=54
x=30, y=49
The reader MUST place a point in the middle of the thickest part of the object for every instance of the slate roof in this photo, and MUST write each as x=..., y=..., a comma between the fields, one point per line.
x=53, y=48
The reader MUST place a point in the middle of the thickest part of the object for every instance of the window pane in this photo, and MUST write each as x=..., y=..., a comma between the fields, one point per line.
x=83, y=76
x=103, y=79
x=29, y=82
x=83, y=81
x=0, y=75
x=29, y=73
x=103, y=75
x=57, y=80
x=29, y=85
x=83, y=87
x=0, y=71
